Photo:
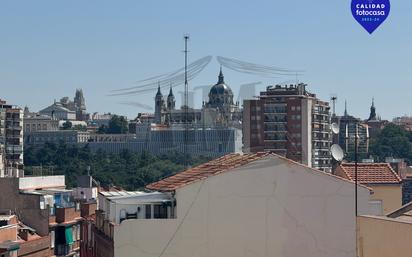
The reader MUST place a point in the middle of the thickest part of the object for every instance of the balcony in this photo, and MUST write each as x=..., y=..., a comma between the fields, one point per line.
x=66, y=214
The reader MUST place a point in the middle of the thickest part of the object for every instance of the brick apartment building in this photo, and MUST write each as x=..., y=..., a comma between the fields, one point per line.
x=11, y=140
x=51, y=211
x=289, y=121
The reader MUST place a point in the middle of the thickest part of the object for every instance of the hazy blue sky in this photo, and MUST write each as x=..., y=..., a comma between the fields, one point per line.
x=50, y=48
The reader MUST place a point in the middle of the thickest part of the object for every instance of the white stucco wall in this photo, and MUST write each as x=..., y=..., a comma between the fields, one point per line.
x=41, y=182
x=268, y=208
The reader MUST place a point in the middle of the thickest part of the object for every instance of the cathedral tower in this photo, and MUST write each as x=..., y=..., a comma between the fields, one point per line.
x=159, y=106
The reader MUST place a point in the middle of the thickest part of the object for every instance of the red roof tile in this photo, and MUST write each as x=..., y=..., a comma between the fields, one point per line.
x=205, y=170
x=219, y=165
x=371, y=173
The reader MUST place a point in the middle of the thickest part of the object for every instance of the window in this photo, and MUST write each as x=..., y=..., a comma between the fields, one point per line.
x=52, y=239
x=160, y=211
x=78, y=231
x=52, y=211
x=148, y=211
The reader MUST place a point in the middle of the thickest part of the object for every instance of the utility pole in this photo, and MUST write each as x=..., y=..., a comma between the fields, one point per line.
x=356, y=187
x=356, y=170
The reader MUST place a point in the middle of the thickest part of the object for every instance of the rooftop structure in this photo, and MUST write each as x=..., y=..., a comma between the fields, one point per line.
x=238, y=199
x=18, y=239
x=384, y=181
x=371, y=173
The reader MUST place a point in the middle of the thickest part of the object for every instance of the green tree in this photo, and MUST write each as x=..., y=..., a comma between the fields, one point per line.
x=127, y=169
x=79, y=127
x=102, y=129
x=392, y=141
x=118, y=125
x=67, y=125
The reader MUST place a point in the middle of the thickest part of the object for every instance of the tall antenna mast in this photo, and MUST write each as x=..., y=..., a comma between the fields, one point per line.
x=334, y=99
x=186, y=103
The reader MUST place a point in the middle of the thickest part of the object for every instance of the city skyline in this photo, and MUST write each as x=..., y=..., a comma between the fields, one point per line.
x=51, y=49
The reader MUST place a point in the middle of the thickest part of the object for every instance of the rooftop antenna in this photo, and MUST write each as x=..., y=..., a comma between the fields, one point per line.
x=334, y=98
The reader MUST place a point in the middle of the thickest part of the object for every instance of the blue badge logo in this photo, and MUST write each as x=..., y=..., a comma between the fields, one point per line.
x=370, y=13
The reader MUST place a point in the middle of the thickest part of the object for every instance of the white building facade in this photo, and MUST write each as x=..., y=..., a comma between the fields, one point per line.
x=248, y=205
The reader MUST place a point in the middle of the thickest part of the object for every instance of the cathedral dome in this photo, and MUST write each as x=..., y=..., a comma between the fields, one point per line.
x=220, y=93
x=220, y=89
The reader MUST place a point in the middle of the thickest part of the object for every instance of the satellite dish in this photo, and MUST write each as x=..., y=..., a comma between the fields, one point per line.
x=335, y=128
x=337, y=152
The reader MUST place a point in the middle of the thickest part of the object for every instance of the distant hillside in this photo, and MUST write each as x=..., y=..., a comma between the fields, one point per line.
x=129, y=170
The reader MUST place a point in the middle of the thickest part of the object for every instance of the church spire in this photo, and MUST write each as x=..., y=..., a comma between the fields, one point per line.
x=158, y=89
x=221, y=79
x=171, y=91
x=171, y=102
x=372, y=115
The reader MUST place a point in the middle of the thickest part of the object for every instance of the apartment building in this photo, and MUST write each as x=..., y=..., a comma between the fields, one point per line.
x=52, y=211
x=289, y=121
x=11, y=140
x=18, y=239
x=39, y=122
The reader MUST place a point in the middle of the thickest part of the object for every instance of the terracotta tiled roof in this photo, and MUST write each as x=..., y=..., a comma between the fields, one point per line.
x=371, y=173
x=205, y=170
x=217, y=166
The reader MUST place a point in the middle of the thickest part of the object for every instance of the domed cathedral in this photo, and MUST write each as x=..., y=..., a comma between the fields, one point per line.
x=219, y=110
x=221, y=102
x=220, y=94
